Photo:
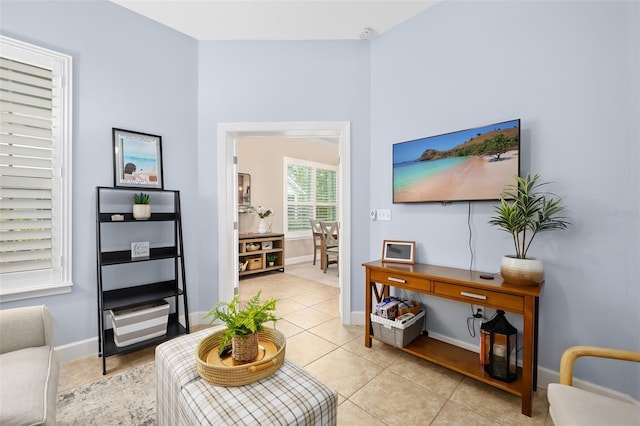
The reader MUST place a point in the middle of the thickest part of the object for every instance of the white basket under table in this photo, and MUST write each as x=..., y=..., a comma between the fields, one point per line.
x=290, y=396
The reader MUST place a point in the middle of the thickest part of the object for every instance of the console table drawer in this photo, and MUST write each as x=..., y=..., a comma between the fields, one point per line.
x=479, y=297
x=401, y=281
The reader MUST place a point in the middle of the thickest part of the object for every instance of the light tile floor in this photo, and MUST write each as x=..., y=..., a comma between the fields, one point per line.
x=376, y=386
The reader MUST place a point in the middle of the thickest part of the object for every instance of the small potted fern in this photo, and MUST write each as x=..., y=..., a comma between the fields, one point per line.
x=243, y=325
x=141, y=207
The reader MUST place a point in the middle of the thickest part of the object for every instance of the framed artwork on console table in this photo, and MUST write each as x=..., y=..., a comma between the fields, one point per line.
x=395, y=251
x=137, y=160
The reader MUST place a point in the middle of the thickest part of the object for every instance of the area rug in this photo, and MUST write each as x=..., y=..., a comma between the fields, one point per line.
x=127, y=398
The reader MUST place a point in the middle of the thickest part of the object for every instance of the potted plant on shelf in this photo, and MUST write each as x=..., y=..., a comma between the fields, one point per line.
x=271, y=259
x=262, y=213
x=141, y=207
x=524, y=211
x=243, y=325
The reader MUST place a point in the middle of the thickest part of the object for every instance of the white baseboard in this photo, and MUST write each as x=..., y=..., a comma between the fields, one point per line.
x=357, y=318
x=88, y=347
x=455, y=342
x=547, y=376
x=76, y=350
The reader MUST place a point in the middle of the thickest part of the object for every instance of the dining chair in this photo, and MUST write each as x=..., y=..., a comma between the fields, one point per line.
x=330, y=243
x=317, y=237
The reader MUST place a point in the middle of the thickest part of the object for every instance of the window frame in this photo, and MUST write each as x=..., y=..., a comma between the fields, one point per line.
x=58, y=278
x=305, y=233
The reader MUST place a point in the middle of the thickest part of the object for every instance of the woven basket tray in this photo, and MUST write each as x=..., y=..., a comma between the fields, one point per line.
x=238, y=375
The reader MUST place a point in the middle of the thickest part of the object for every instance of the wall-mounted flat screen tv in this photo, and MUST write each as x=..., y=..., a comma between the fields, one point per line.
x=468, y=165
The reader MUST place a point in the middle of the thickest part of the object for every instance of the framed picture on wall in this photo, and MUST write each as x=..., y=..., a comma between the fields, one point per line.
x=137, y=160
x=399, y=251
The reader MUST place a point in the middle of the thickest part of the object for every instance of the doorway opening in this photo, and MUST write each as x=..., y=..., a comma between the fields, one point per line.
x=228, y=135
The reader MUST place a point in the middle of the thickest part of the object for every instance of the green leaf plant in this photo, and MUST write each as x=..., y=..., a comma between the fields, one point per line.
x=525, y=210
x=242, y=322
x=141, y=198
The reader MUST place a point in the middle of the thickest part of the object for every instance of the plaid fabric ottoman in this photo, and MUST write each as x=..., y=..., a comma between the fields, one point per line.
x=291, y=396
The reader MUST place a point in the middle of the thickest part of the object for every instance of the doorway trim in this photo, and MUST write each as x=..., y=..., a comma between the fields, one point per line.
x=228, y=134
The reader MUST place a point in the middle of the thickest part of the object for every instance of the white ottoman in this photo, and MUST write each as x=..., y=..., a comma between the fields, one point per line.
x=291, y=396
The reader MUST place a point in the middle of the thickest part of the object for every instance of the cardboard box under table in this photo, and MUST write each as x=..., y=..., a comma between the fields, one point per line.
x=289, y=396
x=396, y=333
x=141, y=322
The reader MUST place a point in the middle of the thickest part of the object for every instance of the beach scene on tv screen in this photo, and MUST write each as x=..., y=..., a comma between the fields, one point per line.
x=473, y=164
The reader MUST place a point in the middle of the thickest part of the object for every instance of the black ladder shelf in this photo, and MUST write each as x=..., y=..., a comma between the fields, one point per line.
x=117, y=232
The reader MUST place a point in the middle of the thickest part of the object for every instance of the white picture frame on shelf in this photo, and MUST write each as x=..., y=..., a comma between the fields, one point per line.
x=395, y=251
x=140, y=250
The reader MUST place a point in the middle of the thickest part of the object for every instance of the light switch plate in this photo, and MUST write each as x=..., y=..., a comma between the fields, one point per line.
x=384, y=214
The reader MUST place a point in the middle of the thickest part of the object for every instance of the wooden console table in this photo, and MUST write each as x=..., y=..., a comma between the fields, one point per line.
x=464, y=286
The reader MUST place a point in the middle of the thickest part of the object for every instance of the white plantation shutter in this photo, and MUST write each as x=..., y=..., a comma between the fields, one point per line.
x=326, y=187
x=311, y=194
x=35, y=190
x=25, y=167
x=299, y=197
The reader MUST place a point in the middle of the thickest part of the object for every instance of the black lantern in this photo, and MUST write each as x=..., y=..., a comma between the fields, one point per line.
x=501, y=343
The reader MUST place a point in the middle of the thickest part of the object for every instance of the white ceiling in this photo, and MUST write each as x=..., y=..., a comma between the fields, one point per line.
x=278, y=20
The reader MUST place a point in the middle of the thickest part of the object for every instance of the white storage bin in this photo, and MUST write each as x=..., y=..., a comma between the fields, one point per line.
x=396, y=333
x=138, y=323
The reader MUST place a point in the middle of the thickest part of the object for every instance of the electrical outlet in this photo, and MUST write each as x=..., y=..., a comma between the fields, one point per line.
x=478, y=311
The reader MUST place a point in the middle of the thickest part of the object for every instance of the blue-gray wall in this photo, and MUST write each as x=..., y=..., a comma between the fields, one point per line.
x=284, y=81
x=131, y=73
x=569, y=70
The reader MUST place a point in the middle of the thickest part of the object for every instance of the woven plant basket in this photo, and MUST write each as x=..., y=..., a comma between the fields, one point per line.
x=239, y=375
x=245, y=348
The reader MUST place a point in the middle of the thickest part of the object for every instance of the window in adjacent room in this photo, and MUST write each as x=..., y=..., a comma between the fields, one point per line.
x=312, y=193
x=35, y=171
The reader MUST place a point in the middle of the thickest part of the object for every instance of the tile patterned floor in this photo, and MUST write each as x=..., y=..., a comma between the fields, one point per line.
x=376, y=386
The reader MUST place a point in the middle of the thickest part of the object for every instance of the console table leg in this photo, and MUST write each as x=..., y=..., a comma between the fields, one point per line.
x=528, y=356
x=535, y=345
x=367, y=310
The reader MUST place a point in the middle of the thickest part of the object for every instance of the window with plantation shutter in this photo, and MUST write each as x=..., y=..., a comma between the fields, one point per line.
x=35, y=171
x=312, y=193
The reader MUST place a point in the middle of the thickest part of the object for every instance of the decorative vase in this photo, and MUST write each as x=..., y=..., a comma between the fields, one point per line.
x=527, y=271
x=244, y=348
x=262, y=226
x=141, y=211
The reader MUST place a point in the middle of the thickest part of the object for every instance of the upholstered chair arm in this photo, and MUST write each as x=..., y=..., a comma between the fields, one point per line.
x=570, y=356
x=24, y=328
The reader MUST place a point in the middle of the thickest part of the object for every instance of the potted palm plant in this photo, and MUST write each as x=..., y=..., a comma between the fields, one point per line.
x=524, y=211
x=141, y=207
x=243, y=325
